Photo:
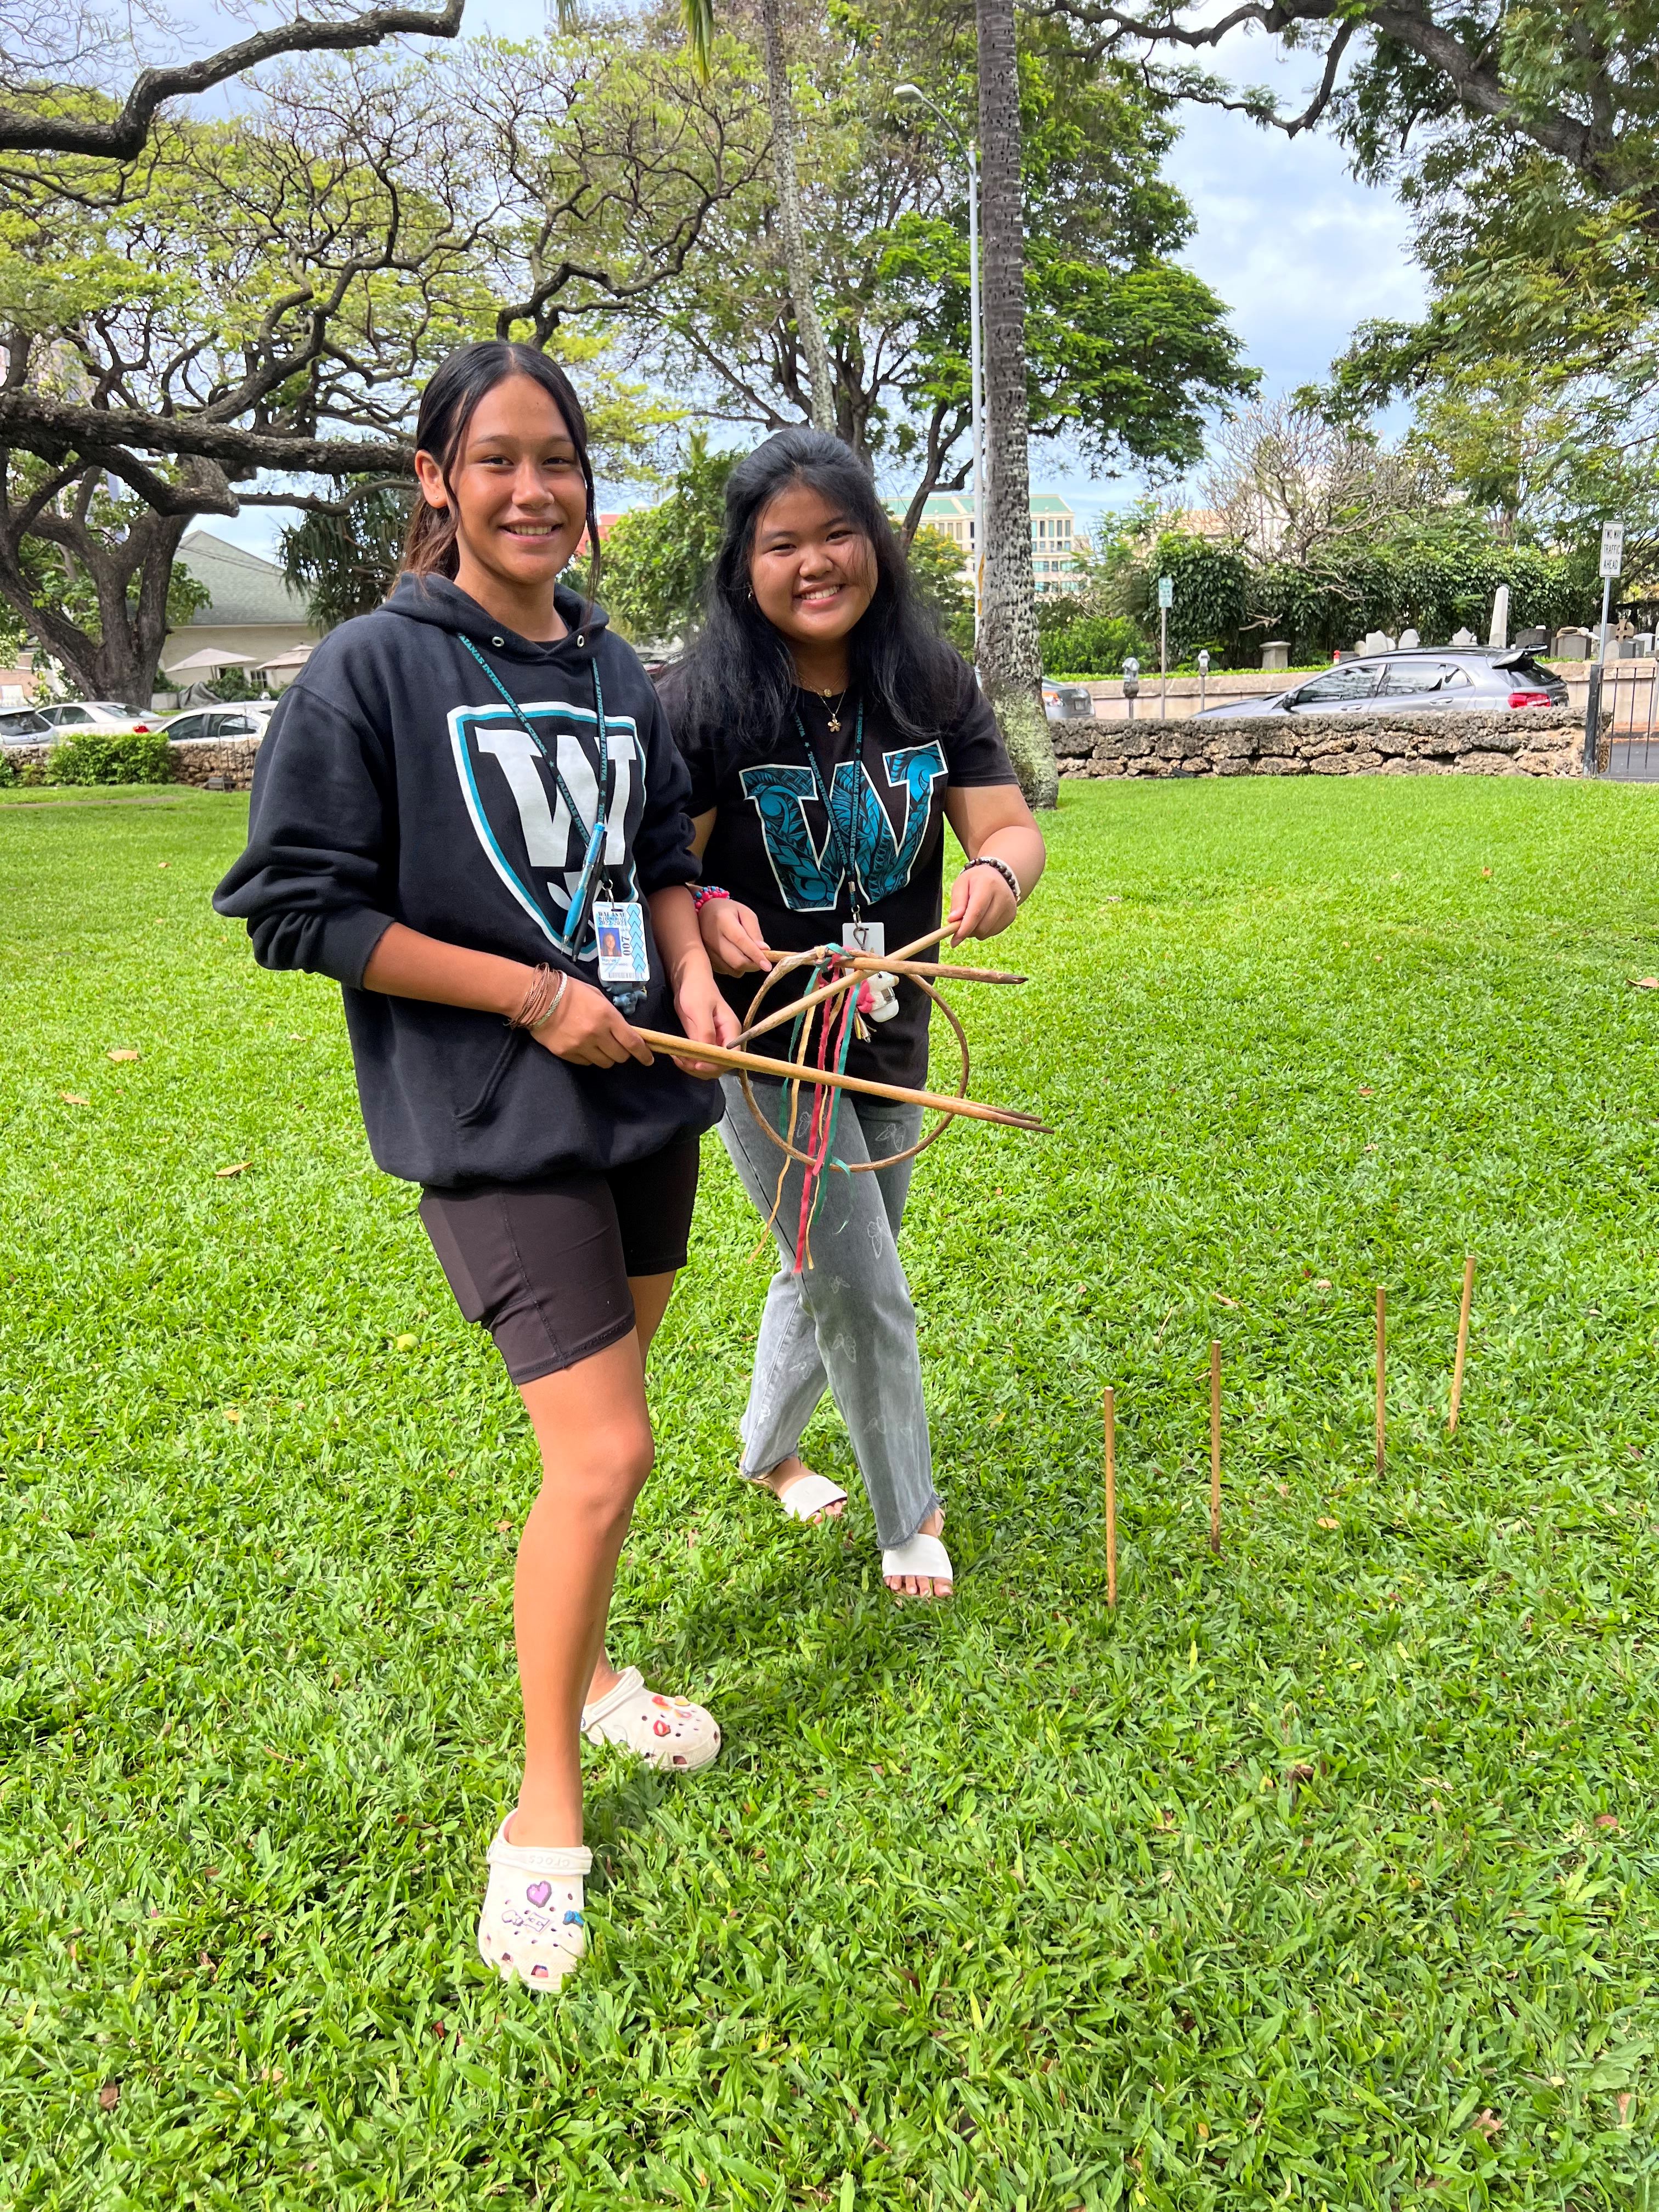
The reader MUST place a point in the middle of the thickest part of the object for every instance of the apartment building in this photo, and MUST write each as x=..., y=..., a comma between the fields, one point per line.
x=1053, y=528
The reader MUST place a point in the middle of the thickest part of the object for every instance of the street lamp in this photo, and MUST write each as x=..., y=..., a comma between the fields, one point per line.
x=916, y=96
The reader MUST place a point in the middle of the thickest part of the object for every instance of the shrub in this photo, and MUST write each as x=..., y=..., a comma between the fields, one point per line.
x=112, y=756
x=1098, y=643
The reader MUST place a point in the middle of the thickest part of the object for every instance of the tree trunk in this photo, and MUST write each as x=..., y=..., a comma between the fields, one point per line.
x=1010, y=650
x=121, y=660
x=780, y=101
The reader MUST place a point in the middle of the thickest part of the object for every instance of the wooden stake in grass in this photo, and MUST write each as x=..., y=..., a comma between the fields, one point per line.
x=1215, y=1446
x=1462, y=1343
x=1111, y=1413
x=1382, y=1373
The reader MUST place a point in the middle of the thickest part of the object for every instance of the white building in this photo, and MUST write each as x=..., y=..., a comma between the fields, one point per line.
x=1053, y=528
x=253, y=616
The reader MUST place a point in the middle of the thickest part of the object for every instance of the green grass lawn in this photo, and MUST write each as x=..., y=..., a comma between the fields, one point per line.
x=1324, y=1873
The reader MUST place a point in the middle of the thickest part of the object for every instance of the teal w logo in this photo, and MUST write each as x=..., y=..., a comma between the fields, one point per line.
x=811, y=876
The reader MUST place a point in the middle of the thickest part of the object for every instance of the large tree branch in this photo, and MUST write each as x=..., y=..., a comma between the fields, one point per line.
x=121, y=139
x=54, y=430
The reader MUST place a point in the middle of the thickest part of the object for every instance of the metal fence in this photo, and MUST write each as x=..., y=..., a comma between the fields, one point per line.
x=1621, y=721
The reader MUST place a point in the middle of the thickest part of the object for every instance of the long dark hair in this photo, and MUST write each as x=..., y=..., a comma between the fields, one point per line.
x=447, y=406
x=738, y=680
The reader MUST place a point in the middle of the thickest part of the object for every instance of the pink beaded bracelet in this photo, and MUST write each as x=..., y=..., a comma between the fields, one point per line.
x=701, y=893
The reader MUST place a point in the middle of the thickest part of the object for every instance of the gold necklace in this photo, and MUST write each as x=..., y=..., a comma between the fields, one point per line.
x=834, y=711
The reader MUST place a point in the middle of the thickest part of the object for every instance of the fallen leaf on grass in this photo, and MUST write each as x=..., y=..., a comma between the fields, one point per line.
x=122, y=1052
x=1221, y=1298
x=503, y=1527
x=404, y=1343
x=242, y=1165
x=1488, y=2123
x=1366, y=1092
x=1607, y=1820
x=1644, y=982
x=1323, y=1283
x=233, y=1413
x=1326, y=1522
x=74, y=1099
x=1625, y=2100
x=109, y=2096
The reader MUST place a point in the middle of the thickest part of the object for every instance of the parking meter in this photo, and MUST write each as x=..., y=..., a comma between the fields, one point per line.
x=1130, y=682
x=1203, y=674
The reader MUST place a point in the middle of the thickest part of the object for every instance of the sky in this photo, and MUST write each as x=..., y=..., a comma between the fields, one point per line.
x=1297, y=250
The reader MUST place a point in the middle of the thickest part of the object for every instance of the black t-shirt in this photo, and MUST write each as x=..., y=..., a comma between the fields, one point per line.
x=773, y=846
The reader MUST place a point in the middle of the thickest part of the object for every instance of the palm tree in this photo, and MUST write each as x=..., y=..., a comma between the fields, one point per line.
x=699, y=18
x=1010, y=650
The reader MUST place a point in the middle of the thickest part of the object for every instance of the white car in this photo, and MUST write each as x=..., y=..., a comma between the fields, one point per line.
x=247, y=719
x=72, y=714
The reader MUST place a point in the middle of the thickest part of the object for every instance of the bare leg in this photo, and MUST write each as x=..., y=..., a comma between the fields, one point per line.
x=651, y=1296
x=594, y=1431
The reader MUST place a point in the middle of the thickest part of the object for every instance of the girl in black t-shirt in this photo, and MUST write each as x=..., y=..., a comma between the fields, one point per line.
x=830, y=734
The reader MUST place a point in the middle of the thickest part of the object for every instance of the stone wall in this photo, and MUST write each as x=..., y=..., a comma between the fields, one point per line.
x=1533, y=741
x=208, y=763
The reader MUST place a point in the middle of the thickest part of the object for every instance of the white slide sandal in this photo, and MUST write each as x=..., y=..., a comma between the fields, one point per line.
x=531, y=1928
x=667, y=1732
x=811, y=1494
x=922, y=1556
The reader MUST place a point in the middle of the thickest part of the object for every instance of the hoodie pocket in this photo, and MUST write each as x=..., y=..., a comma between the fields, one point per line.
x=482, y=1105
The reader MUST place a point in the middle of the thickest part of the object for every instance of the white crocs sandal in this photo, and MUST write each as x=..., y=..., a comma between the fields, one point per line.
x=922, y=1555
x=667, y=1732
x=532, y=1928
x=809, y=1494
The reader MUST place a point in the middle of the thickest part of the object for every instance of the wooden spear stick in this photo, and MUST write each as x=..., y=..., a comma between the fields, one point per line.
x=1381, y=1374
x=1111, y=1500
x=790, y=1071
x=1462, y=1343
x=867, y=965
x=1215, y=1445
x=796, y=1006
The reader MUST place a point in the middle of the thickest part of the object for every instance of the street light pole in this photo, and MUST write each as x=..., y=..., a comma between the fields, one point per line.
x=914, y=93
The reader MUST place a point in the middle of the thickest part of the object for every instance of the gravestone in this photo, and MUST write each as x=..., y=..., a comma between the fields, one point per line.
x=1276, y=654
x=1572, y=644
x=1500, y=617
x=1464, y=637
x=1378, y=640
x=1409, y=640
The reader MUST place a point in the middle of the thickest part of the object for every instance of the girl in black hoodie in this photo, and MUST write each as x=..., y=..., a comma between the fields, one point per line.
x=469, y=812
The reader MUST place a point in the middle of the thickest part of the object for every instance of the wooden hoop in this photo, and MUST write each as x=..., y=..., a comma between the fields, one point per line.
x=856, y=981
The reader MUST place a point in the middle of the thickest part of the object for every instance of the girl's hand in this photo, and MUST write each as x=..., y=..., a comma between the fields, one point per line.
x=732, y=938
x=704, y=1016
x=981, y=904
x=585, y=1028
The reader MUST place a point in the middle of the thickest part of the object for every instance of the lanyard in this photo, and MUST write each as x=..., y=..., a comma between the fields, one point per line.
x=576, y=914
x=846, y=852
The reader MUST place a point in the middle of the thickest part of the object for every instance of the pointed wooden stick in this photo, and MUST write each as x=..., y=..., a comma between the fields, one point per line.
x=867, y=963
x=790, y=1071
x=1110, y=1414
x=1382, y=1375
x=1215, y=1446
x=1462, y=1343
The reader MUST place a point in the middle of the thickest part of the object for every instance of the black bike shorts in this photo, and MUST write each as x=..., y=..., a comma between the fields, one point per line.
x=544, y=1265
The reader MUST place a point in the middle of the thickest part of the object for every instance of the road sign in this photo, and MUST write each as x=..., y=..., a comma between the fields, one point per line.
x=1613, y=548
x=1166, y=584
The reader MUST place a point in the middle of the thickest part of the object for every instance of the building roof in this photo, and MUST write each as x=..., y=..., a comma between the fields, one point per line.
x=956, y=505
x=243, y=589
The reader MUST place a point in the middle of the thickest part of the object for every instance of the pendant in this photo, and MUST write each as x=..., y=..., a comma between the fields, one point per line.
x=835, y=722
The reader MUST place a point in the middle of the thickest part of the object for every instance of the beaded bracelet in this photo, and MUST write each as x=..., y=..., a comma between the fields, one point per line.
x=990, y=861
x=701, y=893
x=541, y=1000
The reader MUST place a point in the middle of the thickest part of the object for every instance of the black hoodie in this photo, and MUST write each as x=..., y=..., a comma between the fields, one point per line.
x=395, y=784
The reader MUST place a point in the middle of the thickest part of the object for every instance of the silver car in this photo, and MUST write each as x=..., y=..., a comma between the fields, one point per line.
x=1426, y=679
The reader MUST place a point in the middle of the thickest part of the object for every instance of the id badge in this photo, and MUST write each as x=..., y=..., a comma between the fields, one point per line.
x=864, y=937
x=619, y=925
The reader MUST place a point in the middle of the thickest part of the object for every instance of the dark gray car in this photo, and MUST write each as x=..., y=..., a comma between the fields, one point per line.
x=1449, y=678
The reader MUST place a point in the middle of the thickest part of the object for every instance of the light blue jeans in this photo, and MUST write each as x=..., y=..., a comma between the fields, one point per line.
x=846, y=1320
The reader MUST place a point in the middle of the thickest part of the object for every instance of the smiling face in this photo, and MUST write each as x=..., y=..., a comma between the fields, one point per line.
x=517, y=490
x=813, y=575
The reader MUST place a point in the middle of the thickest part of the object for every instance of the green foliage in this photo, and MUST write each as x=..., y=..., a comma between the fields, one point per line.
x=1335, y=1848
x=1076, y=641
x=941, y=582
x=657, y=559
x=111, y=757
x=345, y=563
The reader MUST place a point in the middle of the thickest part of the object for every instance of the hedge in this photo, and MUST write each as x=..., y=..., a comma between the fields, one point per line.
x=111, y=757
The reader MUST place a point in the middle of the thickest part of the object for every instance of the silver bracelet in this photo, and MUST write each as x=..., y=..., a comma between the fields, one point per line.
x=990, y=861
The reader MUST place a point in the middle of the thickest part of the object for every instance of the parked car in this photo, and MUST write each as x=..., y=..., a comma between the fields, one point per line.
x=72, y=714
x=21, y=723
x=249, y=719
x=1066, y=702
x=1430, y=679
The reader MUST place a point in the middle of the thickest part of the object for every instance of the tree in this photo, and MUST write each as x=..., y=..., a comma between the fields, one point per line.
x=1287, y=484
x=657, y=559
x=55, y=66
x=343, y=557
x=699, y=16
x=942, y=585
x=1010, y=650
x=267, y=293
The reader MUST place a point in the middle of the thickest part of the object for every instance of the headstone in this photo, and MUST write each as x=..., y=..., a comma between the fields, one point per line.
x=1276, y=654
x=1464, y=637
x=1642, y=645
x=1378, y=640
x=1572, y=644
x=1500, y=618
x=1409, y=640
x=1533, y=641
